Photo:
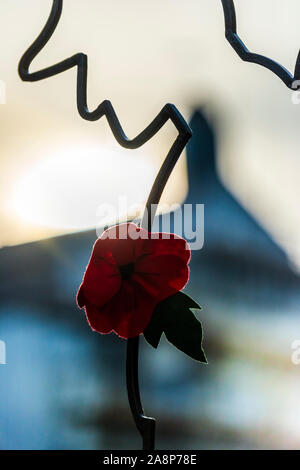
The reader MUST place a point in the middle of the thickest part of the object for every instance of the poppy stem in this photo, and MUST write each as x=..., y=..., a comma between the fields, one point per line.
x=145, y=425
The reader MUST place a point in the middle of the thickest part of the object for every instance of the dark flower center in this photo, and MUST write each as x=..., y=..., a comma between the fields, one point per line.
x=126, y=271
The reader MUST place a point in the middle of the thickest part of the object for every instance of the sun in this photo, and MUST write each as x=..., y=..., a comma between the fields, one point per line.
x=65, y=191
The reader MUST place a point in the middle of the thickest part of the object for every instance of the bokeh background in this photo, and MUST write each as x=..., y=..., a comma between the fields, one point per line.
x=63, y=387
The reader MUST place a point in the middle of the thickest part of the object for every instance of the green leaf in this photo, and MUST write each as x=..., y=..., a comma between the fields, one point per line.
x=174, y=318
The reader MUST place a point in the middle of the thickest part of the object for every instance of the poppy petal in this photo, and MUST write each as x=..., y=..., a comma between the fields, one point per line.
x=80, y=297
x=99, y=320
x=101, y=281
x=132, y=310
x=120, y=242
x=160, y=275
x=156, y=244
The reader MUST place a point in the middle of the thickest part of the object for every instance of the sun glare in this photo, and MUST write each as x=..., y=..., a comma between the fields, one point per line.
x=65, y=191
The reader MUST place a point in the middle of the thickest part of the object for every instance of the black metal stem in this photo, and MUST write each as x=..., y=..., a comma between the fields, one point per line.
x=145, y=425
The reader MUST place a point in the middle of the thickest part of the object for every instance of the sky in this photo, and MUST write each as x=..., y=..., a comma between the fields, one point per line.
x=56, y=169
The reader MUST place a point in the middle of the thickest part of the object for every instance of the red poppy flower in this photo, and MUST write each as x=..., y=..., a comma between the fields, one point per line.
x=129, y=273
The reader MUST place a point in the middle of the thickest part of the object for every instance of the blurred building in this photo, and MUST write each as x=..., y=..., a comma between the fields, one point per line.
x=64, y=387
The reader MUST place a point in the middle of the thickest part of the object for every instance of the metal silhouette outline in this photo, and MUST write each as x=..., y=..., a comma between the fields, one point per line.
x=145, y=425
x=248, y=56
